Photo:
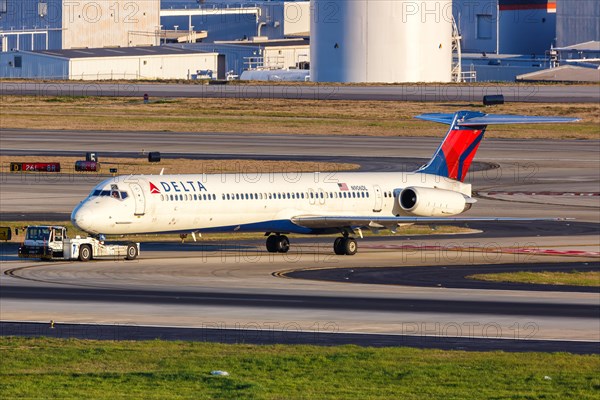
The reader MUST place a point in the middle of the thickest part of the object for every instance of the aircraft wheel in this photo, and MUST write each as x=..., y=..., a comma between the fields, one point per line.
x=283, y=244
x=337, y=246
x=350, y=246
x=272, y=244
x=132, y=252
x=85, y=253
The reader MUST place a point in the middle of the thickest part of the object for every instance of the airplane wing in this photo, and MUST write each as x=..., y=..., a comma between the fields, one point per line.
x=320, y=222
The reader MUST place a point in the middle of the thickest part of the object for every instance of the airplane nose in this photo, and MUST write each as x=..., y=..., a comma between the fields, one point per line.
x=82, y=218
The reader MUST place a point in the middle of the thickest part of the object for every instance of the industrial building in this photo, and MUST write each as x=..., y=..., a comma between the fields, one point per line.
x=350, y=41
x=577, y=21
x=164, y=62
x=64, y=24
x=239, y=21
x=506, y=26
x=267, y=55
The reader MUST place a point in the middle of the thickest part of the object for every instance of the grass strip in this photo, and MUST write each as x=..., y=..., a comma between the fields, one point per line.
x=573, y=278
x=279, y=116
x=58, y=368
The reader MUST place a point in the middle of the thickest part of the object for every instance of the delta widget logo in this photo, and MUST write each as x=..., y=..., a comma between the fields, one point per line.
x=154, y=189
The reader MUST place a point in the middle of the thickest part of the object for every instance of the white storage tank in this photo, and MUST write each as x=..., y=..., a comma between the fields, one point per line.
x=381, y=41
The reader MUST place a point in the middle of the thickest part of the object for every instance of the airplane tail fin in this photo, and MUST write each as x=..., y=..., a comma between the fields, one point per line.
x=454, y=156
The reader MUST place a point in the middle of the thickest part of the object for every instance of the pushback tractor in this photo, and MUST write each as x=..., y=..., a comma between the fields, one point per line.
x=52, y=243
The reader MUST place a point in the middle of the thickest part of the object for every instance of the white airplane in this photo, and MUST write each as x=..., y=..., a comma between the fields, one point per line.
x=306, y=203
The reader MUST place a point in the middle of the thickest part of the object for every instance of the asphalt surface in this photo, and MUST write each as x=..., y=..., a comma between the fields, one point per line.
x=290, y=336
x=408, y=92
x=276, y=145
x=451, y=276
x=295, y=302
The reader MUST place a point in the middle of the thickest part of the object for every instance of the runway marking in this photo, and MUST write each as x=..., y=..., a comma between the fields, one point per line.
x=12, y=272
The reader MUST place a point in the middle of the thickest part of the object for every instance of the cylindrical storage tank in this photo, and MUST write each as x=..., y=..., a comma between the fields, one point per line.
x=381, y=41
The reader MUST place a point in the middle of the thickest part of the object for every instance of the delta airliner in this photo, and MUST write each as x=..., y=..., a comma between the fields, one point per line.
x=305, y=203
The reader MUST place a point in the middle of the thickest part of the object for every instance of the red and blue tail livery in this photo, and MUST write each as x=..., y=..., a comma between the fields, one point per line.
x=454, y=156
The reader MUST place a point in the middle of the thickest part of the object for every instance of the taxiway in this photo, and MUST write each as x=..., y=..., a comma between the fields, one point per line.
x=238, y=287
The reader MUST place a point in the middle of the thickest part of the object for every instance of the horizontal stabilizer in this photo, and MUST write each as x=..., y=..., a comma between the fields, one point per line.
x=479, y=119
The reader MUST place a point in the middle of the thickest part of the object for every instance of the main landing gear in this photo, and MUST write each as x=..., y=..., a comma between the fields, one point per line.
x=343, y=245
x=278, y=244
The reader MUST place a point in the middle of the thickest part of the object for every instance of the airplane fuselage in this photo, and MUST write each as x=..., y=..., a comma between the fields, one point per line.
x=252, y=202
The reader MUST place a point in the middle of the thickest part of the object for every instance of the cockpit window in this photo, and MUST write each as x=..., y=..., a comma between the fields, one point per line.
x=110, y=193
x=38, y=234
